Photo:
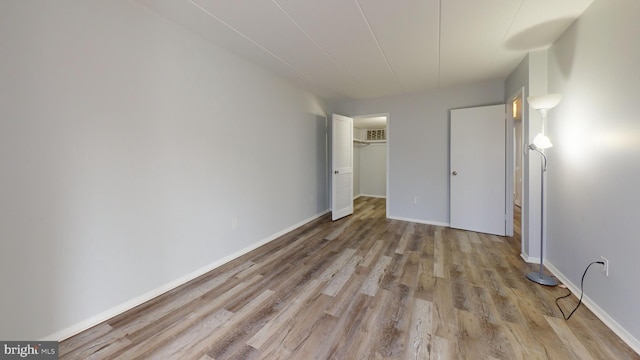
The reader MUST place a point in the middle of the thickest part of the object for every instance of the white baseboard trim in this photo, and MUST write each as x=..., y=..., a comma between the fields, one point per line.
x=419, y=221
x=139, y=300
x=528, y=259
x=357, y=196
x=372, y=196
x=597, y=310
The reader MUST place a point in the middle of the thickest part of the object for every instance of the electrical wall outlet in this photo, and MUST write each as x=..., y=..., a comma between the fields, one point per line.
x=605, y=267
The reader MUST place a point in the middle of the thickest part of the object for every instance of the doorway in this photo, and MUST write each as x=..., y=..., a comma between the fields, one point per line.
x=516, y=120
x=360, y=156
x=516, y=109
x=370, y=156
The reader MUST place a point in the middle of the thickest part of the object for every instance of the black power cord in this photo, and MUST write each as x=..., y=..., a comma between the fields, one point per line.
x=581, y=292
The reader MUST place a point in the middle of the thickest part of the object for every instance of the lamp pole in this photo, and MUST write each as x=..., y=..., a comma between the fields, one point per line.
x=542, y=103
x=540, y=277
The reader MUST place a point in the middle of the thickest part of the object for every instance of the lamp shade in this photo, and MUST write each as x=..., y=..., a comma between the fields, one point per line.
x=542, y=142
x=544, y=102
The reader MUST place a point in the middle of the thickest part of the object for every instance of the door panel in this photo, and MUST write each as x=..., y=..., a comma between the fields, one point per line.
x=342, y=167
x=477, y=169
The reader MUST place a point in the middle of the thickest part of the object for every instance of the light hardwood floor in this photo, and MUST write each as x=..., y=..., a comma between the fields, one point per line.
x=363, y=287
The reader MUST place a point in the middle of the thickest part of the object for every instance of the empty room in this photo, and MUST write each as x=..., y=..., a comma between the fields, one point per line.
x=343, y=179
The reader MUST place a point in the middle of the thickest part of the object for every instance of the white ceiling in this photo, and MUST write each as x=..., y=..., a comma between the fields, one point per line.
x=367, y=48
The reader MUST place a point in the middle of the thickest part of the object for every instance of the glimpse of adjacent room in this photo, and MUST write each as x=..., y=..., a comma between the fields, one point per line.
x=370, y=156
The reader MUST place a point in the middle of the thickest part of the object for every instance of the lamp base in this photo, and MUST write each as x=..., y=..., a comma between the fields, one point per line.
x=541, y=279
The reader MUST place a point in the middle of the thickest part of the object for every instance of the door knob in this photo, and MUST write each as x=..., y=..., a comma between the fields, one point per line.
x=454, y=173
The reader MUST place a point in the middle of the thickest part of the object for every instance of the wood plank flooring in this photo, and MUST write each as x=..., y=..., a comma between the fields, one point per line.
x=363, y=287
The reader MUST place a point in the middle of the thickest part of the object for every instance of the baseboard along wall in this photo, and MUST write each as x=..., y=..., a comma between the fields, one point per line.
x=139, y=300
x=597, y=310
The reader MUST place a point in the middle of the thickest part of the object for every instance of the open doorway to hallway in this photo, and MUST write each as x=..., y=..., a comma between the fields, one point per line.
x=516, y=120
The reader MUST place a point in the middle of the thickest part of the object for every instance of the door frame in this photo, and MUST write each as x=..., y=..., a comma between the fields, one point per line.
x=511, y=151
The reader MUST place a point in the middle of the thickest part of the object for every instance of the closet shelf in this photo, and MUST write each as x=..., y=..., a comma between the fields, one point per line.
x=359, y=141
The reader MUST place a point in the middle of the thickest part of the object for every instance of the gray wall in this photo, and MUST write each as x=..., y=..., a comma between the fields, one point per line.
x=369, y=167
x=127, y=146
x=594, y=167
x=537, y=86
x=418, y=140
x=531, y=74
x=373, y=170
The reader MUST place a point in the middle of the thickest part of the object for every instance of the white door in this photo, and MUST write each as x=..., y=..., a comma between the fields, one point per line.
x=342, y=167
x=477, y=169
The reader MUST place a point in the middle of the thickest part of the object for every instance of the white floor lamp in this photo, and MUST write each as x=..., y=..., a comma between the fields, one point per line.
x=542, y=104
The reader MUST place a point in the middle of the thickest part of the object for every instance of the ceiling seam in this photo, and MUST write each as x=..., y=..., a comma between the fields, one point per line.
x=317, y=44
x=378, y=44
x=504, y=36
x=249, y=39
